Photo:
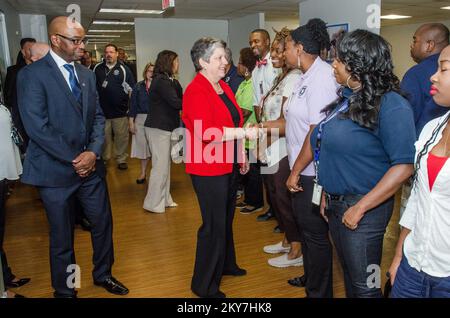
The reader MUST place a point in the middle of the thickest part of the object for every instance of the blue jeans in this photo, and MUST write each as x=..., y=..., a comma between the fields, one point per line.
x=409, y=283
x=360, y=250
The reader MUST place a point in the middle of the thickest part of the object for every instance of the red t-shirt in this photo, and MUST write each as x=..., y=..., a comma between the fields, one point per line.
x=435, y=165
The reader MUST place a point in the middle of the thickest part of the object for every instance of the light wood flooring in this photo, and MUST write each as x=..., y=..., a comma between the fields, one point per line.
x=154, y=253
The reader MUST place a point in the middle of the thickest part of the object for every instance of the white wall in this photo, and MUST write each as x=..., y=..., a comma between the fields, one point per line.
x=353, y=12
x=178, y=35
x=400, y=38
x=239, y=30
x=34, y=26
x=13, y=28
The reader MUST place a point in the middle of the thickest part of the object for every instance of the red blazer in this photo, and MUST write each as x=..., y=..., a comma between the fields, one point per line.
x=206, y=154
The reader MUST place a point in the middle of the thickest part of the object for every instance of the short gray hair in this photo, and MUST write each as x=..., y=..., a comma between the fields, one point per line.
x=203, y=49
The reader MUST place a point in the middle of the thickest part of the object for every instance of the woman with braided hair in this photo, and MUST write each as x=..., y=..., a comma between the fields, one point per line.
x=275, y=155
x=421, y=265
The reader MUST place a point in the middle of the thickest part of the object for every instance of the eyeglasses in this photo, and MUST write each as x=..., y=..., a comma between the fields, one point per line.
x=75, y=41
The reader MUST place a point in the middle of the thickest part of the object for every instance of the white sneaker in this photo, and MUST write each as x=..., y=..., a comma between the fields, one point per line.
x=172, y=205
x=283, y=261
x=276, y=248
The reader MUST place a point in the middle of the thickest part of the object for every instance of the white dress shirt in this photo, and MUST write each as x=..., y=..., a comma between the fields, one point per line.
x=272, y=110
x=61, y=62
x=427, y=214
x=262, y=79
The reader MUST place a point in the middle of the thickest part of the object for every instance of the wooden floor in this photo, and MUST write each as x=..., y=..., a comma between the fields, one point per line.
x=154, y=253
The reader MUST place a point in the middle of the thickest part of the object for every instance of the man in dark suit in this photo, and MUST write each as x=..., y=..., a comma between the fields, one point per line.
x=59, y=107
x=23, y=59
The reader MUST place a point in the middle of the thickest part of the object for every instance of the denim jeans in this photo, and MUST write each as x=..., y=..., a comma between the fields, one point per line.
x=360, y=250
x=409, y=283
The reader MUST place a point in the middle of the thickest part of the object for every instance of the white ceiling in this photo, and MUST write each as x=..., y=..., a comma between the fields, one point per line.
x=421, y=10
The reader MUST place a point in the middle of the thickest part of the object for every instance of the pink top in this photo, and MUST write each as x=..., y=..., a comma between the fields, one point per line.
x=435, y=165
x=315, y=90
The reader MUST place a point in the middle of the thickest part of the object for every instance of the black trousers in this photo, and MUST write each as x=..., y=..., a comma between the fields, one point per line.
x=253, y=185
x=59, y=203
x=316, y=246
x=7, y=274
x=215, y=245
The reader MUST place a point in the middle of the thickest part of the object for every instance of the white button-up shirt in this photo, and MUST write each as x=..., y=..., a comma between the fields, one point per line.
x=61, y=62
x=262, y=79
x=427, y=214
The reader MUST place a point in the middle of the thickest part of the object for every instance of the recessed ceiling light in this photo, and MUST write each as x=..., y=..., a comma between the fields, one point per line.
x=112, y=22
x=446, y=8
x=132, y=11
x=109, y=31
x=102, y=36
x=395, y=17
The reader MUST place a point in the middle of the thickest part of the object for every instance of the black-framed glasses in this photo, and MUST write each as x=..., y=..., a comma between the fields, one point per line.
x=74, y=41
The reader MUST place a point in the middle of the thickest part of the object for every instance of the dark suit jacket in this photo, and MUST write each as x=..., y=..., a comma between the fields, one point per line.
x=58, y=126
x=165, y=103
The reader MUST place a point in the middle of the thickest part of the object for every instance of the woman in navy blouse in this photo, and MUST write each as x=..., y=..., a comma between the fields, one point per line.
x=137, y=115
x=364, y=151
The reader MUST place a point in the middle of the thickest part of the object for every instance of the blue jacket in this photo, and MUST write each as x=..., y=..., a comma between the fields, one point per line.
x=58, y=126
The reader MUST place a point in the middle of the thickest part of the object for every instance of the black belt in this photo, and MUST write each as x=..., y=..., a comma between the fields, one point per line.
x=342, y=197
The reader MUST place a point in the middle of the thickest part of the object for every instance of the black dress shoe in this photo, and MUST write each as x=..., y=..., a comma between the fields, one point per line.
x=19, y=283
x=265, y=217
x=219, y=294
x=140, y=181
x=58, y=295
x=298, y=281
x=113, y=286
x=235, y=272
x=122, y=166
x=19, y=296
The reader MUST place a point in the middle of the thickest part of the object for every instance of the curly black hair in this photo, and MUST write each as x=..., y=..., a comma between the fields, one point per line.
x=367, y=57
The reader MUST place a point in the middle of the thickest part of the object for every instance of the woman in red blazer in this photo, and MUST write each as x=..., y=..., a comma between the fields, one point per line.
x=214, y=124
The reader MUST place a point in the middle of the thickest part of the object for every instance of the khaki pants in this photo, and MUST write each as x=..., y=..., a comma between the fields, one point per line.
x=158, y=194
x=116, y=134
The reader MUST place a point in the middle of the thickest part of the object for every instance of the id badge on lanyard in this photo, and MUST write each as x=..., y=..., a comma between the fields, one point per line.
x=317, y=193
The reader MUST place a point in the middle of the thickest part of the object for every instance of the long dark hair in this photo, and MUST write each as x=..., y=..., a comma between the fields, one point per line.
x=427, y=145
x=164, y=63
x=367, y=57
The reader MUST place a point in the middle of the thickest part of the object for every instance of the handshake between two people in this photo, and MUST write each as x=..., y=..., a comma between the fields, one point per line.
x=84, y=163
x=249, y=131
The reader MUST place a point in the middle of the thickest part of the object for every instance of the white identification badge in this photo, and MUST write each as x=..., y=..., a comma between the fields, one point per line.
x=104, y=84
x=317, y=194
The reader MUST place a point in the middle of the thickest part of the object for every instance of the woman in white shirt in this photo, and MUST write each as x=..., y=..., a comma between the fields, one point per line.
x=275, y=156
x=10, y=169
x=421, y=265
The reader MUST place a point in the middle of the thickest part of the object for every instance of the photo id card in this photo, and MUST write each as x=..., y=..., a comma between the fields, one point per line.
x=104, y=84
x=317, y=194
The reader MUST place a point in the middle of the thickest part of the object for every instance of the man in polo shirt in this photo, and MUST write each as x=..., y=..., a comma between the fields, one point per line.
x=428, y=42
x=114, y=83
